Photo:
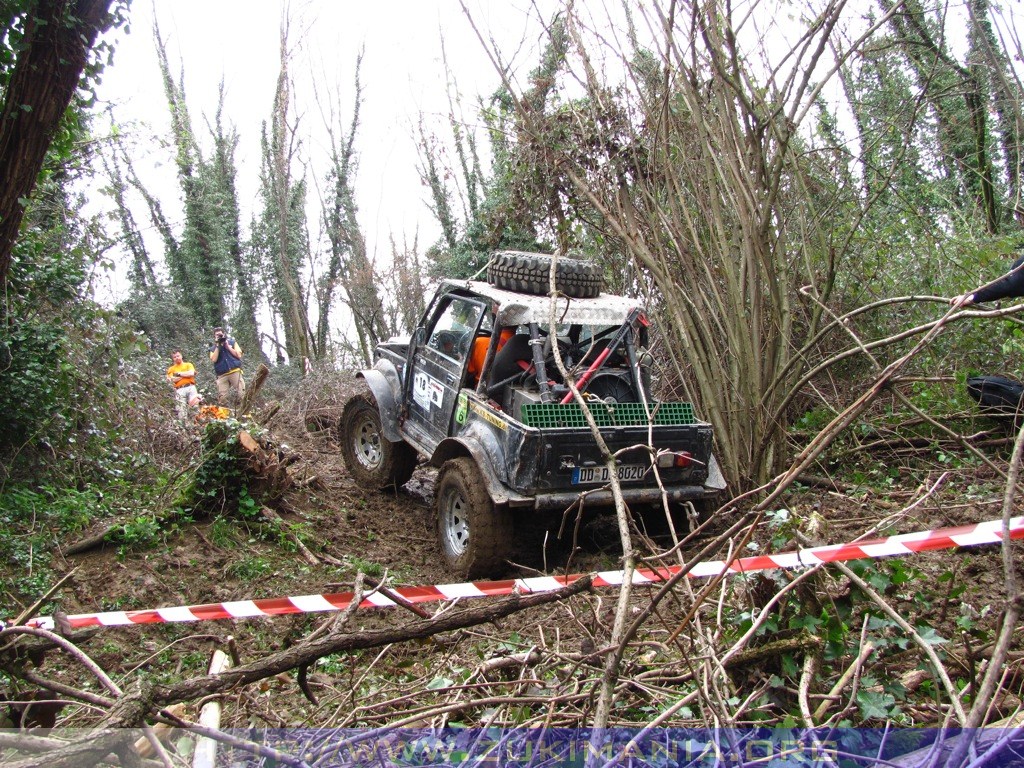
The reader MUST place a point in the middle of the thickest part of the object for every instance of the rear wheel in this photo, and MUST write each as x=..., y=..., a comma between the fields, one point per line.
x=530, y=273
x=475, y=535
x=371, y=458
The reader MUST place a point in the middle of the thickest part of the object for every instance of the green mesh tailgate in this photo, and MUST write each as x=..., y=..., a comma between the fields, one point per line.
x=553, y=415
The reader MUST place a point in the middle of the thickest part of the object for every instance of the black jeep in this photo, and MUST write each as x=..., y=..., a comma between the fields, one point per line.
x=478, y=391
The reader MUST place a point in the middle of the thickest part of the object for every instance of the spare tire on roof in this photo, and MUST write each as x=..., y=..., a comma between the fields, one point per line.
x=529, y=273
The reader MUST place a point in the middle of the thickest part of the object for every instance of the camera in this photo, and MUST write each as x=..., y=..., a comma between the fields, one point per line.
x=220, y=338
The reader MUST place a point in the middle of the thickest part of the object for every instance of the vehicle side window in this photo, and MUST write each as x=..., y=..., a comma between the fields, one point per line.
x=452, y=334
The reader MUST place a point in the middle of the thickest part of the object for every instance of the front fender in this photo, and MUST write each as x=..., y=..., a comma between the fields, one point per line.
x=386, y=391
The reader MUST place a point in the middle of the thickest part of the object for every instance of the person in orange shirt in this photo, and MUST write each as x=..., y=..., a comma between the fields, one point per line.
x=182, y=376
x=479, y=352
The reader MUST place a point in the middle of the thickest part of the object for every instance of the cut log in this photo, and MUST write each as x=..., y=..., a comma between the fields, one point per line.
x=209, y=717
x=248, y=442
x=91, y=542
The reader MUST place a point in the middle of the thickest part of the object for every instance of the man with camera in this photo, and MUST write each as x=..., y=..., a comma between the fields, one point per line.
x=226, y=356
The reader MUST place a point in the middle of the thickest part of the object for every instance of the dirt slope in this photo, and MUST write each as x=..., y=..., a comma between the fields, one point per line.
x=393, y=534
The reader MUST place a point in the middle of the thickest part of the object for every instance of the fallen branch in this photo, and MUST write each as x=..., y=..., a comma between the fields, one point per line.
x=988, y=742
x=820, y=481
x=275, y=755
x=929, y=651
x=804, y=641
x=29, y=612
x=106, y=536
x=306, y=653
x=866, y=650
x=92, y=749
x=161, y=731
x=528, y=658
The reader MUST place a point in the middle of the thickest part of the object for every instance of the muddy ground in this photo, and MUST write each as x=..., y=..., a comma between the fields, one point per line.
x=393, y=535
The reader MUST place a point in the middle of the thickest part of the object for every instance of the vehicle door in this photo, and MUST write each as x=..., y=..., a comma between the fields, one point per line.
x=438, y=368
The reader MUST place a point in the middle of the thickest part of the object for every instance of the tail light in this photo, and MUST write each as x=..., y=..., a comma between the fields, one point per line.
x=679, y=459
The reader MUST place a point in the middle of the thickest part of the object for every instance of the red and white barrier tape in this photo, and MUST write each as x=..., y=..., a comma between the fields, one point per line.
x=923, y=541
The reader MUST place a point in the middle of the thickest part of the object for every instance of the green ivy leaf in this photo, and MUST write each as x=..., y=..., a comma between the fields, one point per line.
x=874, y=705
x=930, y=636
x=440, y=682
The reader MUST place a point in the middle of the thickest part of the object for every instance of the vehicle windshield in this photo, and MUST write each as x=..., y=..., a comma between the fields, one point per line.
x=455, y=327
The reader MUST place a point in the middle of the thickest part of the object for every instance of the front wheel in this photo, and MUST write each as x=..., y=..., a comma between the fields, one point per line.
x=372, y=459
x=475, y=535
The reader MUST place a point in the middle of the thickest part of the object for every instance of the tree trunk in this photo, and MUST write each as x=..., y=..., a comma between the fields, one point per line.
x=58, y=36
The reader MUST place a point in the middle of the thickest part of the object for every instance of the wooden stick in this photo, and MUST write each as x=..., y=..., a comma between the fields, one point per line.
x=29, y=612
x=253, y=389
x=209, y=717
x=865, y=651
x=391, y=595
x=236, y=658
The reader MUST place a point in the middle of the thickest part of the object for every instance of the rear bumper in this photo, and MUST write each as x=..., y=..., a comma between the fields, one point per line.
x=603, y=497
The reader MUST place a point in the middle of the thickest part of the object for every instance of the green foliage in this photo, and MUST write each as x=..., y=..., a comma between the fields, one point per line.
x=840, y=621
x=60, y=368
x=362, y=565
x=814, y=420
x=223, y=533
x=251, y=568
x=37, y=519
x=36, y=378
x=875, y=705
x=203, y=263
x=220, y=485
x=38, y=372
x=139, y=532
x=165, y=321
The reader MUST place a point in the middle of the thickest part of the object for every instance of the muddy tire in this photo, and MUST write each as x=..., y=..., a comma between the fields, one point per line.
x=529, y=273
x=475, y=535
x=372, y=460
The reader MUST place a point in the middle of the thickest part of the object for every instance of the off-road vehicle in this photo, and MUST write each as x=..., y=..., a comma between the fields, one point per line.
x=476, y=391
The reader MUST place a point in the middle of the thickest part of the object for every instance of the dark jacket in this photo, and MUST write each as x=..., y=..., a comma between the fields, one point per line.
x=226, y=362
x=1011, y=284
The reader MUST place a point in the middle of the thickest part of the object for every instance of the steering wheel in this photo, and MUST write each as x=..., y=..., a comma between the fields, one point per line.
x=464, y=341
x=445, y=342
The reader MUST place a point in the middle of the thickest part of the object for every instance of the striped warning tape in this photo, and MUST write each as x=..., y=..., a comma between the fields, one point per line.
x=923, y=541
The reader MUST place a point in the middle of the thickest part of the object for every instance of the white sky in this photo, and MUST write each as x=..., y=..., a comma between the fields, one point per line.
x=402, y=76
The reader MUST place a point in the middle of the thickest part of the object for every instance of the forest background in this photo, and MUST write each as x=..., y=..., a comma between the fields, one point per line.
x=795, y=194
x=804, y=167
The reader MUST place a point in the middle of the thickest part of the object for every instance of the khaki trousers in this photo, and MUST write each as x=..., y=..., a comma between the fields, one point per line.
x=182, y=396
x=230, y=388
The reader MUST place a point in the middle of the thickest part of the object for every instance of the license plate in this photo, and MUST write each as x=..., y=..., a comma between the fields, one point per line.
x=626, y=473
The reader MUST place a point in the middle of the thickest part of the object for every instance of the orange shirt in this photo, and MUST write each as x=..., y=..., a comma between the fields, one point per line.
x=184, y=381
x=479, y=353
